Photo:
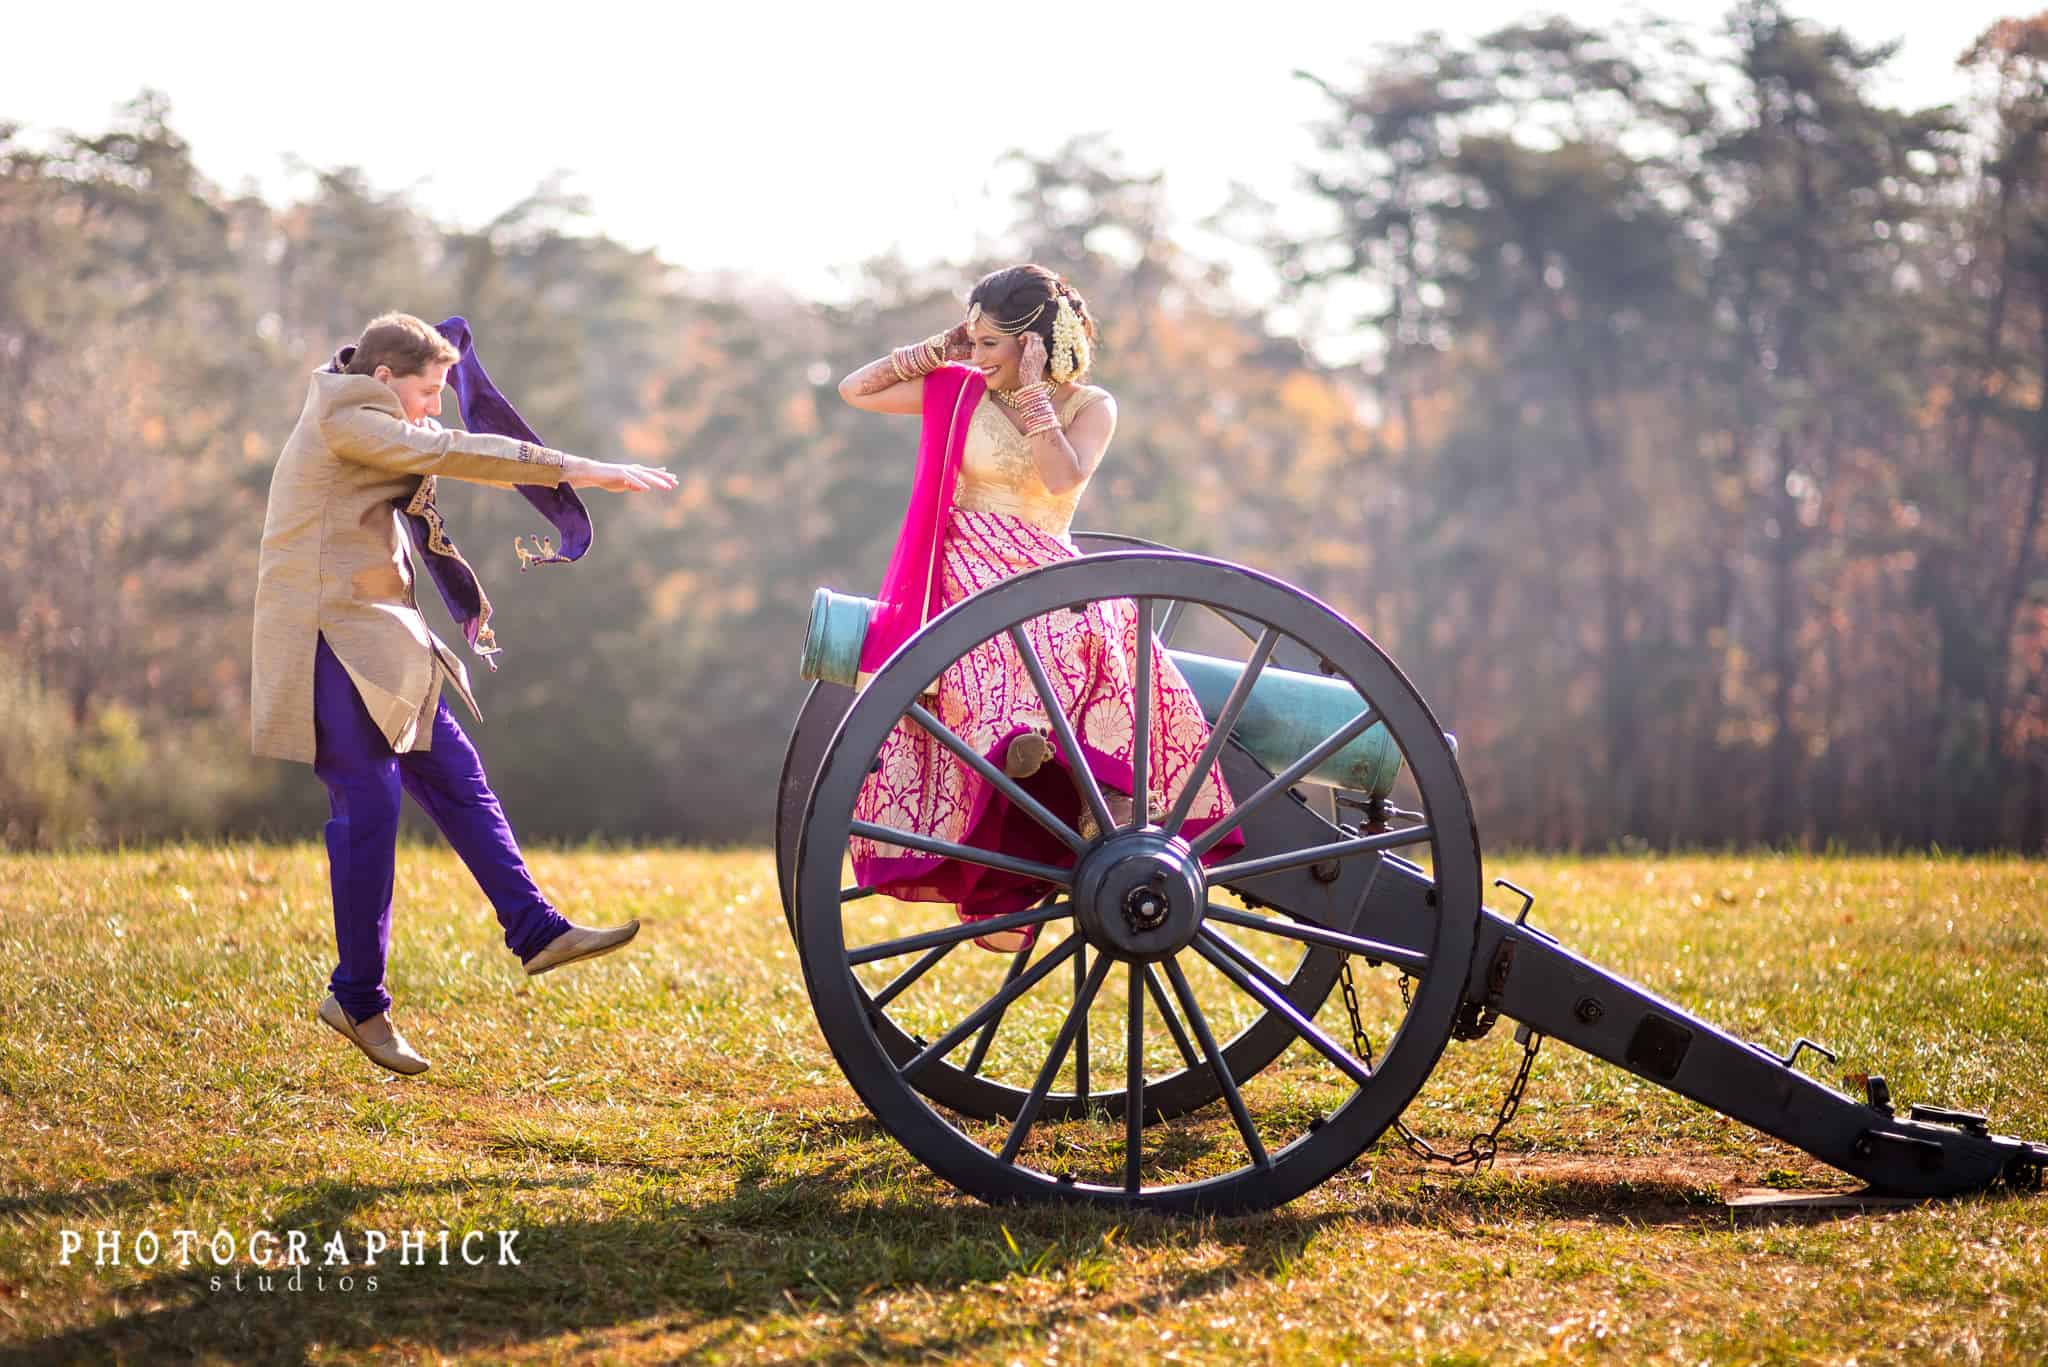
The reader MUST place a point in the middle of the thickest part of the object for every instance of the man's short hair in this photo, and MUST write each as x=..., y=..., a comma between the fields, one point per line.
x=405, y=343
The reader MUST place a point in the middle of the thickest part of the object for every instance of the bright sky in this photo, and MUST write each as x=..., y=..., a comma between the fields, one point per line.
x=781, y=141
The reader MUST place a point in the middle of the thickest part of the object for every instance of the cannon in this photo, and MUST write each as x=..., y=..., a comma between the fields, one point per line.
x=1162, y=1043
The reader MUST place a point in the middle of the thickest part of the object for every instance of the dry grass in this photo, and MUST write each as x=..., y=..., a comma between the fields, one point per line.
x=693, y=1178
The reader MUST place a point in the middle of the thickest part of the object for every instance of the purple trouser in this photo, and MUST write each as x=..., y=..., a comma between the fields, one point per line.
x=363, y=777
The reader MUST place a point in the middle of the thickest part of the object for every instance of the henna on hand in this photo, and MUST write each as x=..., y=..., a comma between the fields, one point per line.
x=907, y=363
x=872, y=378
x=1031, y=365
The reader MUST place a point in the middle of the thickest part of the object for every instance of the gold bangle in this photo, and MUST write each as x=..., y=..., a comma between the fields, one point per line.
x=912, y=362
x=1038, y=413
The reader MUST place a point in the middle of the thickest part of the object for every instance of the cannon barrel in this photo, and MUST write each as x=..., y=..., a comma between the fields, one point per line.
x=1288, y=713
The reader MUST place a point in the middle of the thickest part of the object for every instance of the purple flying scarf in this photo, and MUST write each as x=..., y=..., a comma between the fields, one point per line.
x=484, y=409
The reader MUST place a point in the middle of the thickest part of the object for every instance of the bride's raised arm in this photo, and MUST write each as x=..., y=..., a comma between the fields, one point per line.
x=895, y=383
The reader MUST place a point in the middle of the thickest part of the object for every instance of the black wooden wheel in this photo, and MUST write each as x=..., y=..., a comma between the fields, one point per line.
x=1136, y=931
x=960, y=1083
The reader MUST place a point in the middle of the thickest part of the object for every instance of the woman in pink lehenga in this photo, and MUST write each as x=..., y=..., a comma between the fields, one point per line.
x=1012, y=435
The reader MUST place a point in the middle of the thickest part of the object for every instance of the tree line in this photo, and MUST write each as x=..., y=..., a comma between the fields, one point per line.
x=1687, y=445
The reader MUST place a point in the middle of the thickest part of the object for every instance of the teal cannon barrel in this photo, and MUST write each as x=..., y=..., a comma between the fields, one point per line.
x=1287, y=714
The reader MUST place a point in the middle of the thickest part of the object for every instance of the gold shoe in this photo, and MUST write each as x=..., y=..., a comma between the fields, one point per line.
x=1027, y=755
x=580, y=942
x=374, y=1035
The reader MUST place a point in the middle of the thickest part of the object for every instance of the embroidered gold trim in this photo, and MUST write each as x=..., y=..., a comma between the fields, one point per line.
x=421, y=505
x=543, y=552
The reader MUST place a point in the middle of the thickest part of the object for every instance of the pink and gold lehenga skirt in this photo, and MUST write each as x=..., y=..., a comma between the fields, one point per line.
x=988, y=699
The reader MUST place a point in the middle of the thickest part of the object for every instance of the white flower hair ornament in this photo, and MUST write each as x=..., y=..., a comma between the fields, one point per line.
x=1070, y=354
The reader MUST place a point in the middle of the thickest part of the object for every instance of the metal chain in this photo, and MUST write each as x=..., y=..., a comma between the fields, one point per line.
x=1479, y=1150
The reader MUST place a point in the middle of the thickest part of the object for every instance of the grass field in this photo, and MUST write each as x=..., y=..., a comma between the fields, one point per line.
x=691, y=1177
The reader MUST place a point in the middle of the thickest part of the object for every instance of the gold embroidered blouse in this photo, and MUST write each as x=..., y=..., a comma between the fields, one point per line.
x=997, y=474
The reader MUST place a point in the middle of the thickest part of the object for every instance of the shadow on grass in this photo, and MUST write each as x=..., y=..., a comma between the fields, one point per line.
x=698, y=1275
x=824, y=1242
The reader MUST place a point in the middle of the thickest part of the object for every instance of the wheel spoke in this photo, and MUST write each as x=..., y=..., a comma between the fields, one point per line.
x=948, y=1042
x=854, y=894
x=1018, y=961
x=1265, y=975
x=1317, y=854
x=1134, y=1078
x=1285, y=779
x=911, y=975
x=1218, y=1065
x=1001, y=781
x=966, y=930
x=1175, y=609
x=967, y=854
x=1173, y=1025
x=1063, y=726
x=1219, y=734
x=1398, y=955
x=1076, y=1018
x=1141, y=733
x=1241, y=969
x=1081, y=1054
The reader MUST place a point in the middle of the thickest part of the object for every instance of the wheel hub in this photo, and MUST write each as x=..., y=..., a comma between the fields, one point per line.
x=1139, y=895
x=1146, y=908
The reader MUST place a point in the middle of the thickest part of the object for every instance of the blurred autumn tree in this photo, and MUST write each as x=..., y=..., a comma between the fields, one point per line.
x=1695, y=464
x=1692, y=367
x=137, y=426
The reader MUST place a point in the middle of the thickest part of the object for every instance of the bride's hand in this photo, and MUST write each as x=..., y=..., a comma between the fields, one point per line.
x=1031, y=365
x=957, y=345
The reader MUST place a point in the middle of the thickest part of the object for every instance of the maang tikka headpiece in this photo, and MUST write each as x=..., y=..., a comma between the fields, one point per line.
x=975, y=315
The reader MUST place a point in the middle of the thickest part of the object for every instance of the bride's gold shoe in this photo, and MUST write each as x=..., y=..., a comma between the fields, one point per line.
x=1027, y=755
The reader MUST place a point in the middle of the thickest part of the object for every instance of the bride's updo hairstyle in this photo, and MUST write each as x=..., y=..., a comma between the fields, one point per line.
x=1008, y=297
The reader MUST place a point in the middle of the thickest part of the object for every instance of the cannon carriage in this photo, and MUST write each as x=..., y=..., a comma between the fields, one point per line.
x=1166, y=1041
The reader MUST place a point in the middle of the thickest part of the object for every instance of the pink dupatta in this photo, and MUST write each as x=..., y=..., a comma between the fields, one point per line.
x=909, y=594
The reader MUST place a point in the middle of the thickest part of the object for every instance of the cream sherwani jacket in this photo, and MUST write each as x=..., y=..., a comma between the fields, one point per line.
x=334, y=561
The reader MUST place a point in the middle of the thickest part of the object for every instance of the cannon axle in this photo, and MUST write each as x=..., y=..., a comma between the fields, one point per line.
x=1139, y=896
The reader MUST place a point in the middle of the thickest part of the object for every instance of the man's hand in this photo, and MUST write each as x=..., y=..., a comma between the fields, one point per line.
x=580, y=473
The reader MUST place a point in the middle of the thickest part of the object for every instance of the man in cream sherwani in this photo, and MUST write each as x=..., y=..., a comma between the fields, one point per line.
x=346, y=677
